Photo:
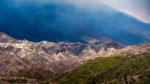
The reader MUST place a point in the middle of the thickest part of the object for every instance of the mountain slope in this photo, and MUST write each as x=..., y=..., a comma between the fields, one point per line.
x=132, y=69
x=65, y=22
x=49, y=61
x=56, y=57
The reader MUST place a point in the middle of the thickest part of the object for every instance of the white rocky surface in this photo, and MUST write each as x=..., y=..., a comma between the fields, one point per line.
x=59, y=57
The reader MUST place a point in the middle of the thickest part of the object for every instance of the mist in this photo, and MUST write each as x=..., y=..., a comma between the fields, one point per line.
x=136, y=8
x=69, y=20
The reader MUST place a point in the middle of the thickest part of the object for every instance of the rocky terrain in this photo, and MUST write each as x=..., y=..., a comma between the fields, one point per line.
x=17, y=55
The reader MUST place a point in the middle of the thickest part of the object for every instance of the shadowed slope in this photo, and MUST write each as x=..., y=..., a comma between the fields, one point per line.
x=65, y=22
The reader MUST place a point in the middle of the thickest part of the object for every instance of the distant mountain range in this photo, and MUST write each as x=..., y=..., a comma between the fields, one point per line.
x=65, y=22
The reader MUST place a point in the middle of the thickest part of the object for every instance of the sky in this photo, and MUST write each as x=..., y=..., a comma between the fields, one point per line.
x=137, y=8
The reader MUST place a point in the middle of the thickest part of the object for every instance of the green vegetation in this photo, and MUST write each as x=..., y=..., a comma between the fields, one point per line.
x=117, y=70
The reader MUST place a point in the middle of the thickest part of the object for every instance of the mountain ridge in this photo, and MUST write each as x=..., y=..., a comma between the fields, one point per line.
x=57, y=57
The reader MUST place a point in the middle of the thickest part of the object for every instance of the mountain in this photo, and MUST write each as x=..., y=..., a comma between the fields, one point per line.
x=5, y=38
x=51, y=61
x=57, y=22
x=56, y=57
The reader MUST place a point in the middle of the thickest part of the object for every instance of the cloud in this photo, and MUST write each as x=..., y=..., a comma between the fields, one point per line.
x=137, y=8
x=74, y=2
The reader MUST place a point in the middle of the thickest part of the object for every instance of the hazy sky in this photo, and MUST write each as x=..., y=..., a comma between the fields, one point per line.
x=137, y=8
